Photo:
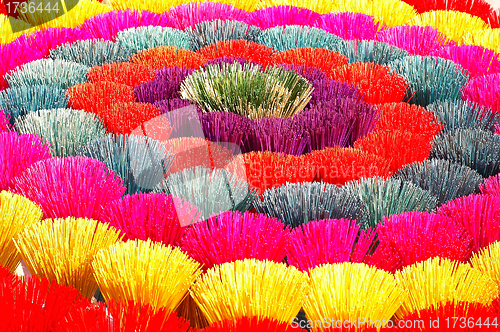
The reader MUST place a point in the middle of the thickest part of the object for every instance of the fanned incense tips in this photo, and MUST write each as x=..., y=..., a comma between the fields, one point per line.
x=142, y=38
x=454, y=24
x=268, y=290
x=365, y=292
x=413, y=237
x=63, y=250
x=247, y=90
x=444, y=179
x=384, y=197
x=147, y=272
x=329, y=241
x=297, y=204
x=232, y=236
x=16, y=213
x=486, y=261
x=158, y=217
x=72, y=186
x=437, y=281
x=65, y=130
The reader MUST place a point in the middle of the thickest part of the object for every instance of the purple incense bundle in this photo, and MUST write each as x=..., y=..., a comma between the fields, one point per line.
x=4, y=122
x=328, y=241
x=13, y=55
x=327, y=89
x=277, y=135
x=190, y=14
x=478, y=214
x=338, y=122
x=232, y=236
x=226, y=127
x=414, y=237
x=155, y=216
x=484, y=90
x=17, y=153
x=309, y=73
x=349, y=26
x=166, y=85
x=106, y=26
x=325, y=129
x=416, y=40
x=169, y=105
x=477, y=60
x=271, y=17
x=77, y=187
x=50, y=38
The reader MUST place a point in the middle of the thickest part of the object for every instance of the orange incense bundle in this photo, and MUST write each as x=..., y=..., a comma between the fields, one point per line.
x=411, y=118
x=168, y=56
x=241, y=48
x=340, y=165
x=125, y=118
x=380, y=84
x=127, y=73
x=266, y=170
x=401, y=147
x=94, y=97
x=320, y=58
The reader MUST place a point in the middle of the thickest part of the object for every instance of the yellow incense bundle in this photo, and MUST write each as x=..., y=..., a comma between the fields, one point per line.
x=250, y=288
x=389, y=13
x=16, y=213
x=488, y=261
x=452, y=23
x=63, y=250
x=437, y=281
x=146, y=272
x=352, y=291
x=318, y=6
x=488, y=38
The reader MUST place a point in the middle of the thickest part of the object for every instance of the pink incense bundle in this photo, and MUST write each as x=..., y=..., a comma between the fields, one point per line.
x=271, y=17
x=107, y=25
x=190, y=14
x=320, y=58
x=50, y=38
x=17, y=153
x=127, y=118
x=154, y=216
x=232, y=236
x=4, y=122
x=241, y=48
x=378, y=83
x=477, y=60
x=329, y=241
x=479, y=215
x=97, y=97
x=491, y=186
x=416, y=40
x=69, y=187
x=414, y=237
x=13, y=55
x=408, y=117
x=124, y=72
x=484, y=90
x=349, y=26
